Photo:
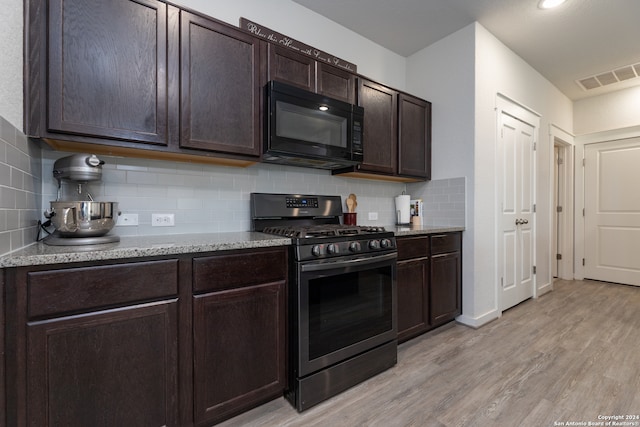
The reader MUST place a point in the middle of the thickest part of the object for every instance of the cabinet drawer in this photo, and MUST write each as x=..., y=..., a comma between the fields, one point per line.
x=443, y=243
x=79, y=289
x=413, y=247
x=235, y=270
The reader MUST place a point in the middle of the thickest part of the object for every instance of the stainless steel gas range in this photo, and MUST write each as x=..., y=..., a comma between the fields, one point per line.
x=342, y=294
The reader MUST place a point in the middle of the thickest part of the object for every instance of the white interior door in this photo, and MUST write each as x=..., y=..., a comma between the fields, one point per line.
x=517, y=219
x=612, y=211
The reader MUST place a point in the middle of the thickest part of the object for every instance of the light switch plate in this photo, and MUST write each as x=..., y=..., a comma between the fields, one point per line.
x=373, y=216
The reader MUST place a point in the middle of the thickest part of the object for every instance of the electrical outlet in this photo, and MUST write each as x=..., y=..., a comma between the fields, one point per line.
x=373, y=216
x=127, y=219
x=163, y=220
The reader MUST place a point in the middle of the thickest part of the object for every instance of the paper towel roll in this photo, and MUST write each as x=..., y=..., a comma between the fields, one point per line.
x=403, y=209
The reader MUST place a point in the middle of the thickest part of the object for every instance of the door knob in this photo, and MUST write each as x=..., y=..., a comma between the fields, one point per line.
x=518, y=221
x=524, y=221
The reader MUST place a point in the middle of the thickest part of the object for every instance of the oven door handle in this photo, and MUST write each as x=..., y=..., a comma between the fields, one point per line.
x=349, y=263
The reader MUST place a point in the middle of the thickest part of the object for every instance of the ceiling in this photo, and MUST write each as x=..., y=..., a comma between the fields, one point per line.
x=578, y=40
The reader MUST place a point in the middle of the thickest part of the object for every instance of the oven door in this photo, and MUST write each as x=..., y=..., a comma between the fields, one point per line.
x=345, y=308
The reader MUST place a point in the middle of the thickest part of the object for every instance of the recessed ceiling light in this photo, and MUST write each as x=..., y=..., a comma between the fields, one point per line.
x=549, y=4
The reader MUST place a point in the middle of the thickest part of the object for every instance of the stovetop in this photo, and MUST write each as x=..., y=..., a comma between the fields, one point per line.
x=313, y=224
x=324, y=230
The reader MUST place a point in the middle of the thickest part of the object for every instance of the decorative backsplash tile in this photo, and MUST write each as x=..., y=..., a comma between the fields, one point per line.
x=444, y=201
x=20, y=187
x=203, y=198
x=206, y=198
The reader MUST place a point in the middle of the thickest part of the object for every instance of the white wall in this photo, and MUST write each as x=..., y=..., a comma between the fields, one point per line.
x=11, y=61
x=462, y=74
x=500, y=71
x=616, y=110
x=306, y=26
x=602, y=118
x=443, y=73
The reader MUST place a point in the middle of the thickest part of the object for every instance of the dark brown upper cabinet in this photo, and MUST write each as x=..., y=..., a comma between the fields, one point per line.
x=142, y=78
x=380, y=127
x=305, y=72
x=221, y=82
x=414, y=137
x=397, y=135
x=103, y=73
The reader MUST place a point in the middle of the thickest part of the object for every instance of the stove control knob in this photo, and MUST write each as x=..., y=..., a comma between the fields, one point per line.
x=315, y=250
x=355, y=247
x=385, y=243
x=374, y=244
x=333, y=249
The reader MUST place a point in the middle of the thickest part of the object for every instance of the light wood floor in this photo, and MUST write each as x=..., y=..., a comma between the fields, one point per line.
x=571, y=355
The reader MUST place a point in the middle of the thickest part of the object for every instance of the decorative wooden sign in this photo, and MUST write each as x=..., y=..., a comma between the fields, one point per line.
x=275, y=37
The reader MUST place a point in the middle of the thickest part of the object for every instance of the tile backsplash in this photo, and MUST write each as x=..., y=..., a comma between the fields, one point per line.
x=444, y=201
x=20, y=188
x=207, y=198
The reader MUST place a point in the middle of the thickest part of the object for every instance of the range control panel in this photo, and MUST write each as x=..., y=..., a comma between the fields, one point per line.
x=302, y=202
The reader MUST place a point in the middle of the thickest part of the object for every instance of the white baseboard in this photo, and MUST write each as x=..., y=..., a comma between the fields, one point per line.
x=476, y=322
x=544, y=289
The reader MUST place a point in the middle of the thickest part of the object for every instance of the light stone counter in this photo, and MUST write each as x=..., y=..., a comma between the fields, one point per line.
x=412, y=230
x=140, y=246
x=171, y=244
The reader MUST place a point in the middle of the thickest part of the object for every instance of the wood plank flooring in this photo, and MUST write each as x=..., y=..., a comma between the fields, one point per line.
x=571, y=355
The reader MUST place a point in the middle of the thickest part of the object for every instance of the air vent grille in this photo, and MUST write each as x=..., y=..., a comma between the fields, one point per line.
x=607, y=78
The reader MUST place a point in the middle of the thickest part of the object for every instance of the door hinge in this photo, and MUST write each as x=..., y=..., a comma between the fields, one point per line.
x=560, y=161
x=584, y=162
x=534, y=269
x=534, y=208
x=502, y=282
x=582, y=261
x=582, y=211
x=534, y=146
x=558, y=256
x=559, y=209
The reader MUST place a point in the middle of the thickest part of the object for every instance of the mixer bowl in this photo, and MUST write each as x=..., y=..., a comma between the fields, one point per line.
x=83, y=219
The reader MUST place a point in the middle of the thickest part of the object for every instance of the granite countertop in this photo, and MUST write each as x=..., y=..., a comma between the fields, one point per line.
x=171, y=244
x=416, y=230
x=140, y=246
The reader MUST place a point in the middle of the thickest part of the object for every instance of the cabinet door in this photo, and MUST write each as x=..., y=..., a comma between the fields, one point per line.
x=380, y=137
x=239, y=350
x=414, y=138
x=292, y=68
x=445, y=287
x=221, y=80
x=107, y=69
x=109, y=368
x=413, y=298
x=336, y=83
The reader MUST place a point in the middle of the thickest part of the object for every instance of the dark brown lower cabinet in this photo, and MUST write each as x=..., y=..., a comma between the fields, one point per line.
x=239, y=350
x=446, y=278
x=93, y=344
x=182, y=341
x=429, y=282
x=239, y=320
x=111, y=368
x=413, y=287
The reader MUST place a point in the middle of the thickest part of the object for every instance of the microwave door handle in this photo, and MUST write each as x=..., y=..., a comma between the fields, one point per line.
x=349, y=263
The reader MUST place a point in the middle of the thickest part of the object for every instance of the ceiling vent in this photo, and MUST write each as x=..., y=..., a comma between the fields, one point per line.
x=607, y=78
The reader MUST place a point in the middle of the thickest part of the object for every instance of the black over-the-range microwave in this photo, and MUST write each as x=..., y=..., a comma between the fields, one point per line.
x=311, y=130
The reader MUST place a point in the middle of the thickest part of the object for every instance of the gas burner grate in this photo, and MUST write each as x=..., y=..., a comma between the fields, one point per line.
x=327, y=230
